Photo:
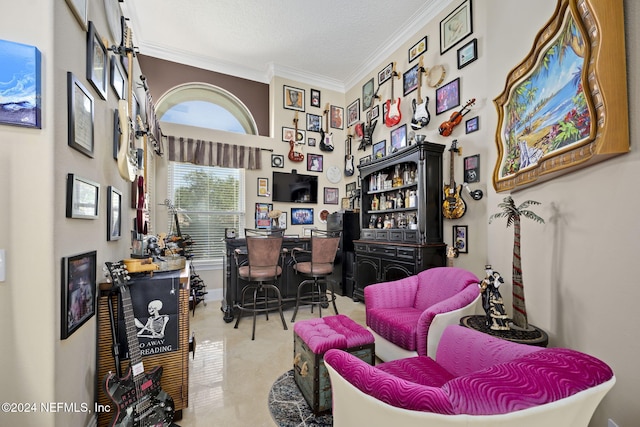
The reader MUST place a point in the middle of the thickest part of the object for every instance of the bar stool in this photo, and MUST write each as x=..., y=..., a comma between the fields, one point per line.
x=261, y=270
x=324, y=246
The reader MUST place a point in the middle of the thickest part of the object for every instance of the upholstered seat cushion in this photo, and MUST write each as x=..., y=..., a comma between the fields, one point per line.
x=318, y=269
x=258, y=274
x=398, y=325
x=338, y=331
x=424, y=371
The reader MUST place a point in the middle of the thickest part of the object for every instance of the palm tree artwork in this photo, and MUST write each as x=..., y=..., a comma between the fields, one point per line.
x=513, y=215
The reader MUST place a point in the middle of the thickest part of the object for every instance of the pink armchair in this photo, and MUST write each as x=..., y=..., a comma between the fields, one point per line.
x=407, y=316
x=475, y=380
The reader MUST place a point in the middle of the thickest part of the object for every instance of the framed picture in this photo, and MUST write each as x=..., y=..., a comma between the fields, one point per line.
x=398, y=138
x=314, y=162
x=117, y=132
x=472, y=168
x=277, y=161
x=289, y=133
x=20, y=75
x=79, y=9
x=367, y=94
x=374, y=113
x=456, y=26
x=331, y=196
x=337, y=117
x=350, y=188
x=461, y=238
x=380, y=149
x=293, y=98
x=78, y=302
x=262, y=215
x=468, y=53
x=282, y=221
x=385, y=74
x=365, y=159
x=418, y=49
x=97, y=62
x=448, y=96
x=82, y=197
x=410, y=80
x=353, y=113
x=471, y=125
x=314, y=122
x=315, y=98
x=80, y=116
x=114, y=213
x=118, y=80
x=263, y=187
x=311, y=142
x=301, y=216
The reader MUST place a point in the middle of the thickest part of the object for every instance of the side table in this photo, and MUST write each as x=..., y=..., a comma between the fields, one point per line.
x=533, y=336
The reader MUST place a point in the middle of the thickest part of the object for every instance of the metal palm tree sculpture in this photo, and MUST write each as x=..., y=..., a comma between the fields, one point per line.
x=513, y=214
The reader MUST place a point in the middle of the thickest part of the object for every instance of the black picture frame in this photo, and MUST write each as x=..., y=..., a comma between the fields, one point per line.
x=314, y=99
x=277, y=161
x=467, y=53
x=398, y=138
x=379, y=149
x=385, y=74
x=263, y=187
x=456, y=26
x=78, y=292
x=331, y=196
x=97, y=62
x=314, y=122
x=314, y=162
x=117, y=133
x=410, y=80
x=262, y=215
x=117, y=78
x=83, y=197
x=448, y=96
x=368, y=90
x=336, y=115
x=80, y=110
x=472, y=168
x=114, y=213
x=293, y=98
x=302, y=216
x=418, y=49
x=472, y=125
x=353, y=113
x=461, y=238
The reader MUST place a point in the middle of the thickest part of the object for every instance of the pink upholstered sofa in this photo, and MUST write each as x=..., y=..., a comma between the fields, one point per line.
x=475, y=380
x=407, y=316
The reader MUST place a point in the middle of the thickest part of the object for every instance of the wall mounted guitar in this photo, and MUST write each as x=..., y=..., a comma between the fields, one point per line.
x=453, y=206
x=326, y=137
x=294, y=155
x=446, y=128
x=421, y=116
x=348, y=158
x=393, y=115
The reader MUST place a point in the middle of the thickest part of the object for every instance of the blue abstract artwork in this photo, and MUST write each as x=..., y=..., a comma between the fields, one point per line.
x=19, y=84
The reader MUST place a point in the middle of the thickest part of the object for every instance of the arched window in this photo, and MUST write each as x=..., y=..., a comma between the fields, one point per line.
x=206, y=106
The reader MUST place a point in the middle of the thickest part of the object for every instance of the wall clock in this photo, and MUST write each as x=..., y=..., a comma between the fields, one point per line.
x=112, y=9
x=334, y=174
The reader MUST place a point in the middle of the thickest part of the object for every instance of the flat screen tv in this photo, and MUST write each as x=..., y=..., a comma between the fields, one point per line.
x=294, y=187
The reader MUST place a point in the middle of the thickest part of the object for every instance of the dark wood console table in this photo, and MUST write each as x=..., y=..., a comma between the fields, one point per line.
x=535, y=336
x=288, y=282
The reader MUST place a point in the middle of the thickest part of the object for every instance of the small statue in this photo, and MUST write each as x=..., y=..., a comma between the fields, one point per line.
x=496, y=316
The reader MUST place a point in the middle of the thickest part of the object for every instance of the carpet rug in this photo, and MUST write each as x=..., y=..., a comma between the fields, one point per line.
x=289, y=408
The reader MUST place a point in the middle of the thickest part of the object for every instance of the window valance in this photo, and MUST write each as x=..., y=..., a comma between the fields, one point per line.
x=208, y=153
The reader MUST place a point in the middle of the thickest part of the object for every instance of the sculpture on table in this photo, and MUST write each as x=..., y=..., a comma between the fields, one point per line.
x=497, y=318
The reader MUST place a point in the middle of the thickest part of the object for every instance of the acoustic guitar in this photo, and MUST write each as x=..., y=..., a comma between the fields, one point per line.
x=393, y=115
x=421, y=116
x=454, y=206
x=138, y=397
x=326, y=137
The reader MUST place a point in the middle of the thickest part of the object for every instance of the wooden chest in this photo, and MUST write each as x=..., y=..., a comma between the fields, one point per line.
x=311, y=375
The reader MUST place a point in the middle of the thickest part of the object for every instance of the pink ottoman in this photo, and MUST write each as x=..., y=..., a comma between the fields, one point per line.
x=311, y=339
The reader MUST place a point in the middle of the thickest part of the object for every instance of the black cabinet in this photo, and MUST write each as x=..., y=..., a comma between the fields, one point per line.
x=400, y=216
x=344, y=267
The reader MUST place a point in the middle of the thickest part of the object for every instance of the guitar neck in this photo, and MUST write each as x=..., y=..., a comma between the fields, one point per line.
x=135, y=357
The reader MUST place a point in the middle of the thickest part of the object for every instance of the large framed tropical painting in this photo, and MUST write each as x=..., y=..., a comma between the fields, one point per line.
x=565, y=106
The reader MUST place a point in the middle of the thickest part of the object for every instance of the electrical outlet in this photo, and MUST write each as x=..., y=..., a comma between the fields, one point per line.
x=611, y=423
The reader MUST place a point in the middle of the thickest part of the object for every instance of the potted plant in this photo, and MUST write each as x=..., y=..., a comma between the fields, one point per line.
x=513, y=214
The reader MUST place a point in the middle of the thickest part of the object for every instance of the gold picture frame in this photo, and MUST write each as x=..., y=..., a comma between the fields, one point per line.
x=536, y=141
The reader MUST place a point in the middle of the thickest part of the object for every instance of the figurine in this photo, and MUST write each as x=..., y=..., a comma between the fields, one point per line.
x=496, y=316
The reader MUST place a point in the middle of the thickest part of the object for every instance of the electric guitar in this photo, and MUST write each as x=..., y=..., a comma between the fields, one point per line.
x=393, y=115
x=365, y=131
x=326, y=138
x=348, y=158
x=295, y=156
x=127, y=164
x=446, y=128
x=454, y=206
x=139, y=400
x=421, y=116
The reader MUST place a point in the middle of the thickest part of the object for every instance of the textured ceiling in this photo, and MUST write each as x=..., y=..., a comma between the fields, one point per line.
x=327, y=42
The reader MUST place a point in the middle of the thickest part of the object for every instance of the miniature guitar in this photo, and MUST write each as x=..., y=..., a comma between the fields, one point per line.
x=294, y=155
x=127, y=164
x=138, y=398
x=454, y=206
x=348, y=158
x=421, y=116
x=326, y=138
x=446, y=128
x=393, y=115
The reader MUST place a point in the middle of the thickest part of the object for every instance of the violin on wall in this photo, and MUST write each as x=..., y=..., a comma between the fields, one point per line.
x=446, y=128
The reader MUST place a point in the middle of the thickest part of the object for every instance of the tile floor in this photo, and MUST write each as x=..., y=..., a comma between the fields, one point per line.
x=230, y=375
